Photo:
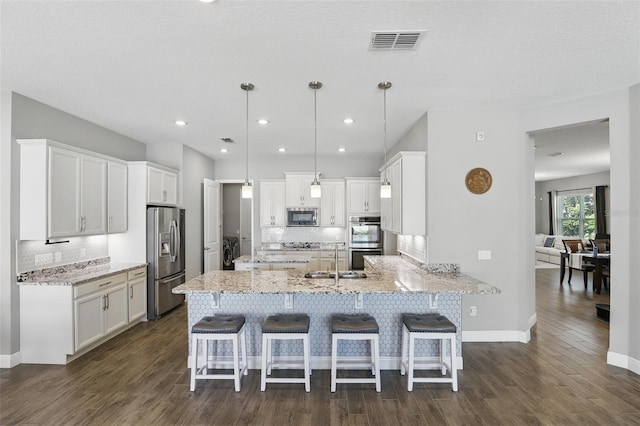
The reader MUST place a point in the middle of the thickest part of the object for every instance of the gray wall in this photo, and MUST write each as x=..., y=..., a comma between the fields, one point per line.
x=575, y=182
x=195, y=167
x=231, y=209
x=29, y=119
x=622, y=108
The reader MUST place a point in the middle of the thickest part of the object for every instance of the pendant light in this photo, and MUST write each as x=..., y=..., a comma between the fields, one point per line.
x=247, y=189
x=385, y=186
x=316, y=189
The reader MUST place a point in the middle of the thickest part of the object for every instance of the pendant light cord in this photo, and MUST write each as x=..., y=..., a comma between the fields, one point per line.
x=315, y=135
x=246, y=179
x=385, y=134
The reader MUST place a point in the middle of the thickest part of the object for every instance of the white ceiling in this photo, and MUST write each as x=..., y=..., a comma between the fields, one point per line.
x=136, y=66
x=572, y=151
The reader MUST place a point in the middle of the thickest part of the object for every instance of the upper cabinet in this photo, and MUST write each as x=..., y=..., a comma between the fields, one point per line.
x=298, y=190
x=363, y=196
x=332, y=212
x=63, y=190
x=117, y=206
x=162, y=186
x=272, y=203
x=405, y=212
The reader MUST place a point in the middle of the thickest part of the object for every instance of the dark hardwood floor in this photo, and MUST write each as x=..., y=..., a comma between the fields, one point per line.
x=140, y=377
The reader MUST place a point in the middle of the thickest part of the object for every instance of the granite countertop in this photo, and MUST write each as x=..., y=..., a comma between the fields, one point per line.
x=76, y=273
x=273, y=258
x=315, y=246
x=391, y=274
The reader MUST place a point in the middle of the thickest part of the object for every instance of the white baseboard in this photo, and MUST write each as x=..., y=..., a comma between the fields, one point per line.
x=10, y=361
x=496, y=336
x=324, y=362
x=623, y=361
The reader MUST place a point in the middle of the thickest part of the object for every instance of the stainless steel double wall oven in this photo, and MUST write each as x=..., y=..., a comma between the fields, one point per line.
x=365, y=238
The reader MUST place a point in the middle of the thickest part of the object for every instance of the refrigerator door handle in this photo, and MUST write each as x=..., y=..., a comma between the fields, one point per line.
x=173, y=240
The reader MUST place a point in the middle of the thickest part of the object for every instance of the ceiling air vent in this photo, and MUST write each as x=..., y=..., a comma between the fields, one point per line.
x=395, y=40
x=227, y=140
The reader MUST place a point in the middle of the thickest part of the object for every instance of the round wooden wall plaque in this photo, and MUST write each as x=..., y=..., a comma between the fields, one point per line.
x=478, y=180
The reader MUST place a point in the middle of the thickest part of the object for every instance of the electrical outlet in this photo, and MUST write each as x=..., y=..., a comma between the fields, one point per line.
x=43, y=259
x=473, y=311
x=484, y=254
x=58, y=256
x=359, y=301
x=479, y=136
x=288, y=301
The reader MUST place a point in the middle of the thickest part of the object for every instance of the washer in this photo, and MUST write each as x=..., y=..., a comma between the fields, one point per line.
x=227, y=254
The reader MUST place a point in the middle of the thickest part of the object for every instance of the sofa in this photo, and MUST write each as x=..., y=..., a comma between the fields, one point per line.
x=550, y=254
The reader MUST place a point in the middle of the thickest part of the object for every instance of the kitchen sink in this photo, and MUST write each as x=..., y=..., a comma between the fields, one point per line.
x=342, y=274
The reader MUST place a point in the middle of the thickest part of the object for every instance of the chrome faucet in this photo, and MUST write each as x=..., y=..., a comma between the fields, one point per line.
x=336, y=261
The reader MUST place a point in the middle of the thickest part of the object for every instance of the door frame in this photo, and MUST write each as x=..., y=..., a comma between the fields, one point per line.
x=251, y=230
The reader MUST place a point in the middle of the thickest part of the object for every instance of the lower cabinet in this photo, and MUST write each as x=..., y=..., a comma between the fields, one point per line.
x=270, y=266
x=60, y=322
x=137, y=284
x=100, y=308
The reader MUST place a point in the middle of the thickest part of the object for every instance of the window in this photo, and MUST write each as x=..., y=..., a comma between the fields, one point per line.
x=576, y=214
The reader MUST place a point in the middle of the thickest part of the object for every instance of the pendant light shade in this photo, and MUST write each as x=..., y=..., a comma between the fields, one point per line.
x=385, y=185
x=247, y=188
x=316, y=189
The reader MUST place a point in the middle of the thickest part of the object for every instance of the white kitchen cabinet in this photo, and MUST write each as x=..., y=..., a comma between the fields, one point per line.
x=406, y=172
x=253, y=266
x=100, y=308
x=332, y=211
x=117, y=192
x=78, y=317
x=63, y=190
x=328, y=261
x=137, y=285
x=298, y=190
x=162, y=186
x=363, y=196
x=272, y=203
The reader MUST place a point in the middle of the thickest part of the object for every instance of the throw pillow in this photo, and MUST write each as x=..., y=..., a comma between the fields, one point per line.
x=548, y=242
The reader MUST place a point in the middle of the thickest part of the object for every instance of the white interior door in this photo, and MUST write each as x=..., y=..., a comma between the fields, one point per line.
x=245, y=226
x=211, y=228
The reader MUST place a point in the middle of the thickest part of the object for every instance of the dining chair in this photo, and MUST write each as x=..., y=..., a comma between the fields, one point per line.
x=572, y=246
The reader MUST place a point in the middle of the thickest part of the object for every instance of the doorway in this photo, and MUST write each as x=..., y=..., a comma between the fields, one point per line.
x=236, y=224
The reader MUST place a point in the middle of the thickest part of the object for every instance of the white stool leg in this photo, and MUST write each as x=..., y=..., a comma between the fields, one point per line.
x=307, y=364
x=194, y=362
x=334, y=361
x=405, y=347
x=443, y=356
x=269, y=355
x=376, y=356
x=236, y=363
x=412, y=346
x=263, y=377
x=454, y=367
x=243, y=344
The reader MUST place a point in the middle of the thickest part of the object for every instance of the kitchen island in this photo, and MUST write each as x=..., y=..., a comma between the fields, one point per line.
x=393, y=286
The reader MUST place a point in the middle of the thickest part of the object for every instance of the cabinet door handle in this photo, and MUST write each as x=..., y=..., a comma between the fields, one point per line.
x=104, y=302
x=107, y=296
x=140, y=273
x=130, y=292
x=103, y=284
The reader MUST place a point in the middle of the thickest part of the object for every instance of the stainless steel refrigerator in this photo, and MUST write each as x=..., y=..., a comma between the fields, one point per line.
x=165, y=255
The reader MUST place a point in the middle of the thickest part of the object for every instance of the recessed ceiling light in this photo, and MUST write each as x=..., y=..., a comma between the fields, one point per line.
x=180, y=123
x=208, y=1
x=341, y=149
x=347, y=120
x=224, y=150
x=263, y=121
x=281, y=149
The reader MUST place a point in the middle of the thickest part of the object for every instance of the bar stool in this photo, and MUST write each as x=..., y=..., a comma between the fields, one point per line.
x=285, y=327
x=221, y=327
x=355, y=327
x=428, y=326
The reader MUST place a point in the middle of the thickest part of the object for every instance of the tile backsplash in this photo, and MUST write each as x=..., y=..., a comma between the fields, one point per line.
x=33, y=255
x=303, y=234
x=415, y=246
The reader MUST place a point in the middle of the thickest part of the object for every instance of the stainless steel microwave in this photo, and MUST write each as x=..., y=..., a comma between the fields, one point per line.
x=302, y=216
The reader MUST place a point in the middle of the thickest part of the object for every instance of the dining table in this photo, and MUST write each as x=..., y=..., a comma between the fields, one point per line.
x=600, y=260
